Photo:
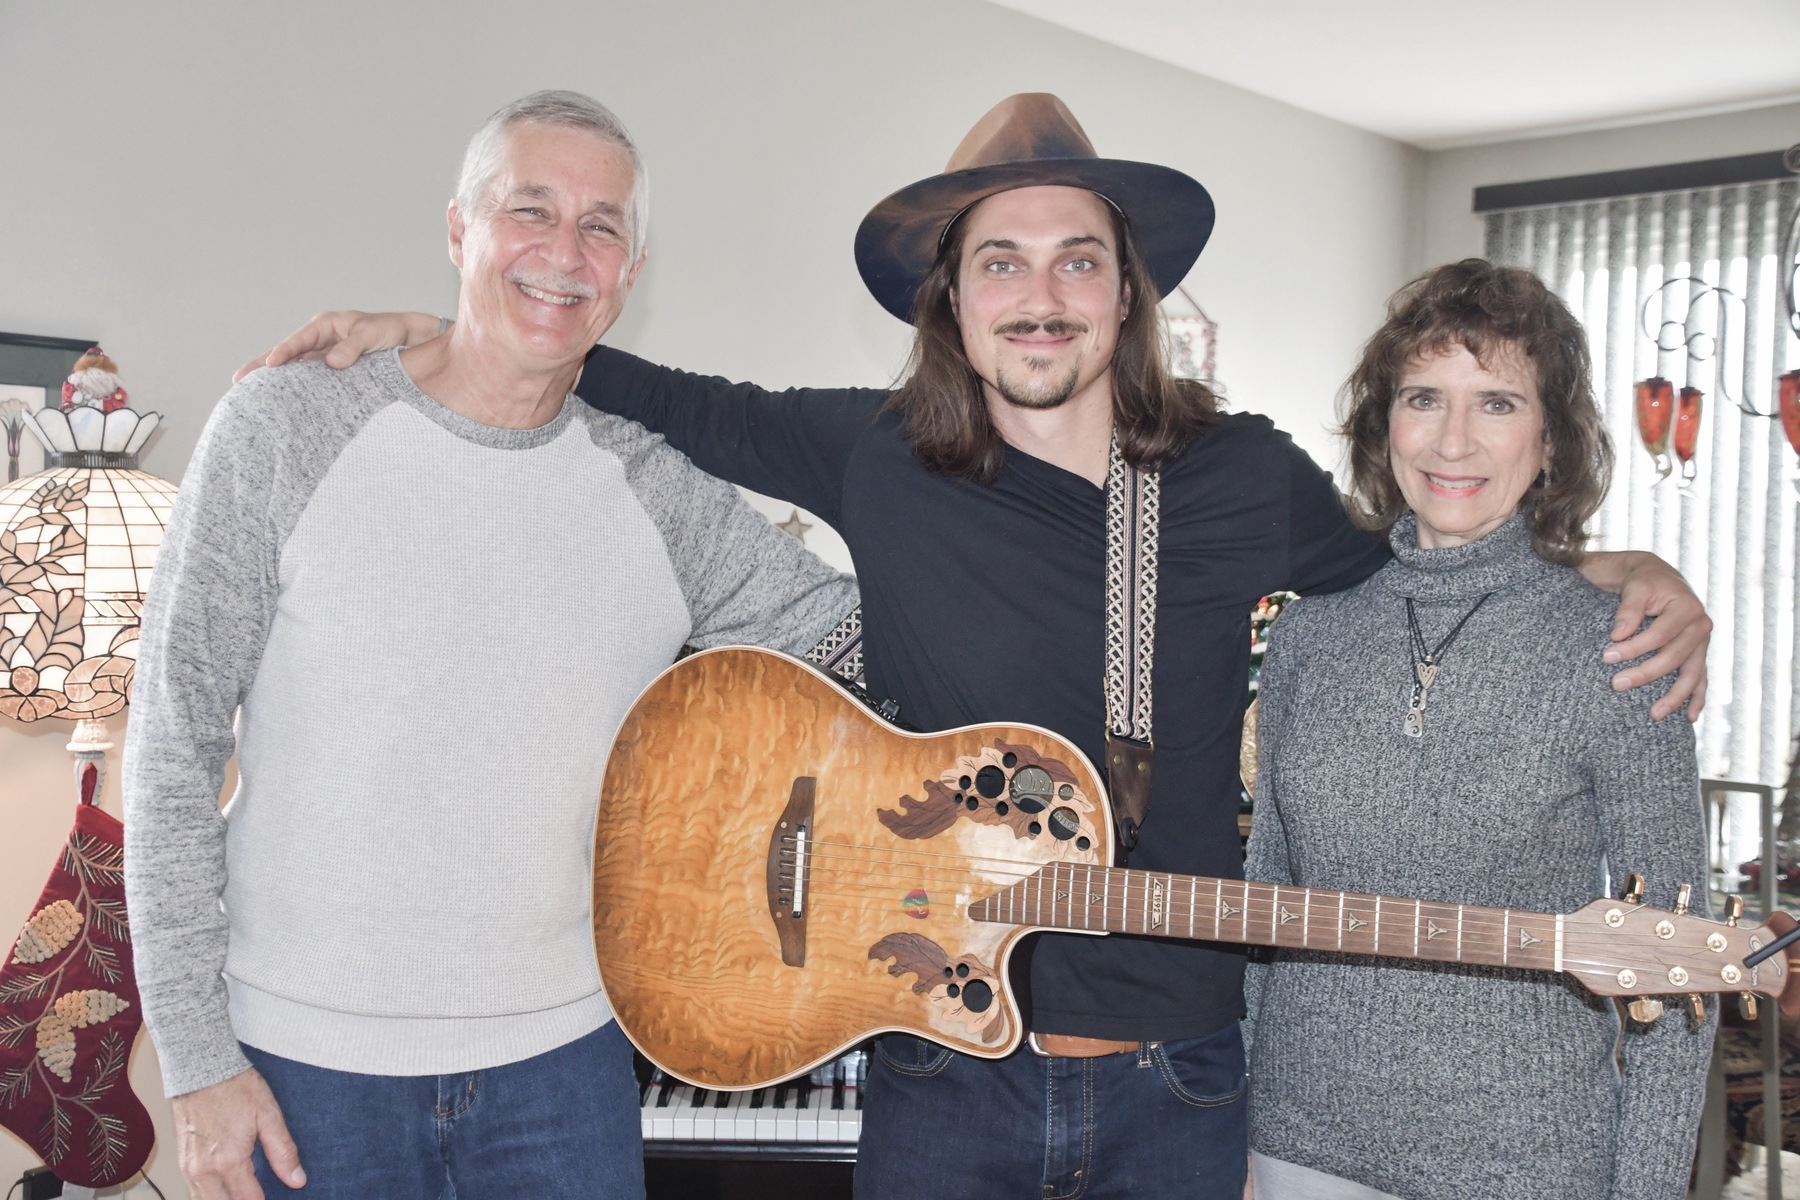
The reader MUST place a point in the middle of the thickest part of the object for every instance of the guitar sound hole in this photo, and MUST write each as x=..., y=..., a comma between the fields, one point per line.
x=977, y=996
x=1065, y=824
x=990, y=781
x=1009, y=760
x=1083, y=844
x=1032, y=788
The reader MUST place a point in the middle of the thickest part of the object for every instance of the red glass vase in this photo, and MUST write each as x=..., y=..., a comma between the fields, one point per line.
x=1656, y=418
x=1689, y=404
x=1790, y=408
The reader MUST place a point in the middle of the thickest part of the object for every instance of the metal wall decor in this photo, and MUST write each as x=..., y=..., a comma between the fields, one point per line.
x=1669, y=420
x=1193, y=337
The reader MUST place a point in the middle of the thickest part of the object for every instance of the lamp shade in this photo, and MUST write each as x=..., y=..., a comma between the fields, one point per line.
x=77, y=545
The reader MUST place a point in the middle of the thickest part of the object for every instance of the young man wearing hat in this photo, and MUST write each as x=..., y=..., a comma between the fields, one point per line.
x=974, y=500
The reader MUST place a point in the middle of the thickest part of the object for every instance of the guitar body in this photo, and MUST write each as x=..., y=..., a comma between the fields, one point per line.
x=778, y=874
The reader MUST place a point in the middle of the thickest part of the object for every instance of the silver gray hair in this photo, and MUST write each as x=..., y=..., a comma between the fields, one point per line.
x=571, y=110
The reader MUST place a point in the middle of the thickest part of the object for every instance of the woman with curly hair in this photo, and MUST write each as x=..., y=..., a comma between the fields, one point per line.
x=1447, y=730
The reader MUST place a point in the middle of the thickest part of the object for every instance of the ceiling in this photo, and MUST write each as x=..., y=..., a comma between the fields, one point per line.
x=1442, y=73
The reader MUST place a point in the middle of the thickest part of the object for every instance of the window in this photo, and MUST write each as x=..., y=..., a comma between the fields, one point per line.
x=1732, y=529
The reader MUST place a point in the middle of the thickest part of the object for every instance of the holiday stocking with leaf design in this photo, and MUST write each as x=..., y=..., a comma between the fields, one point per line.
x=69, y=1013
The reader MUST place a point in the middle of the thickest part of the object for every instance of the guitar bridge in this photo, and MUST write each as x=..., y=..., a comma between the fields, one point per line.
x=789, y=867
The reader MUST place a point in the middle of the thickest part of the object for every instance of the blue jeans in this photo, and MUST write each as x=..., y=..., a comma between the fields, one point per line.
x=1168, y=1121
x=562, y=1125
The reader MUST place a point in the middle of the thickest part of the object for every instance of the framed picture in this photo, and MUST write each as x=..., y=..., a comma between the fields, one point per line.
x=32, y=371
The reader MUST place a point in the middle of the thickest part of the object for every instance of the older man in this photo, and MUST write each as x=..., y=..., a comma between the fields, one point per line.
x=428, y=587
x=975, y=500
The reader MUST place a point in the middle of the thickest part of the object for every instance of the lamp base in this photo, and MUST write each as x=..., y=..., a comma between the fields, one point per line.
x=89, y=745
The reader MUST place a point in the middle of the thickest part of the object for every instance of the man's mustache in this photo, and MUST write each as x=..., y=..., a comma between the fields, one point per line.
x=1055, y=327
x=552, y=281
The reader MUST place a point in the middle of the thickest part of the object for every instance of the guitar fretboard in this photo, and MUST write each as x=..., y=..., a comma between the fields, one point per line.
x=1202, y=908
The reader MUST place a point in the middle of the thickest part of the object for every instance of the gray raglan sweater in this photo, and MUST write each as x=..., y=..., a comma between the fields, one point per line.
x=1427, y=1080
x=426, y=631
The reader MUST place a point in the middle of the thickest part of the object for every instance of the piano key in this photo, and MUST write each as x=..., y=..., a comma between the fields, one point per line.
x=807, y=1130
x=662, y=1123
x=787, y=1103
x=703, y=1115
x=766, y=1120
x=683, y=1114
x=744, y=1116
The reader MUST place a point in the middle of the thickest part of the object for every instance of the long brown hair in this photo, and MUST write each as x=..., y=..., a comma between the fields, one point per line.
x=1487, y=310
x=947, y=420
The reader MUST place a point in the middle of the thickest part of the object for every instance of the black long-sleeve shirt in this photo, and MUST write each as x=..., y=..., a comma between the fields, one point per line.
x=985, y=602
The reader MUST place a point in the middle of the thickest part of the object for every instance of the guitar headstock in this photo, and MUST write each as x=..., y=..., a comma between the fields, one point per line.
x=1622, y=948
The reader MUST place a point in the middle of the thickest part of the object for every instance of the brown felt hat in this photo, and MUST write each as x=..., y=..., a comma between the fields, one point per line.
x=1029, y=140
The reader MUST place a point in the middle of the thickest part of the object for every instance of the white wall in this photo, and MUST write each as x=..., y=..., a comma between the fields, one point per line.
x=188, y=181
x=1451, y=229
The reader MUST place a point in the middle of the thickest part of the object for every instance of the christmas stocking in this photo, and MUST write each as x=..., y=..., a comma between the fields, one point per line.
x=69, y=1013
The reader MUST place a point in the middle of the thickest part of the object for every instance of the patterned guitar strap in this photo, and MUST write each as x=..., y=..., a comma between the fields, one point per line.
x=1133, y=504
x=1133, y=508
x=840, y=651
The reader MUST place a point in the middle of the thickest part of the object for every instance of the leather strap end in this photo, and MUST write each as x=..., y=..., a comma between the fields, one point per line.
x=1128, y=775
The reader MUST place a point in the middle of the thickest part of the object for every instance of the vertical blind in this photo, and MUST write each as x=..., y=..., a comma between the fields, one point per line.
x=1732, y=531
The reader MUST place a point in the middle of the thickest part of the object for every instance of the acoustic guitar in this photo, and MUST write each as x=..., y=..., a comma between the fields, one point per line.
x=779, y=874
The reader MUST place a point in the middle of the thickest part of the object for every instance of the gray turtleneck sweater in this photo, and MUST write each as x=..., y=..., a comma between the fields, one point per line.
x=1534, y=779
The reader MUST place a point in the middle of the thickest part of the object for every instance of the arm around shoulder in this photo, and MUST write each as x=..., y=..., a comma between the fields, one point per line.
x=793, y=444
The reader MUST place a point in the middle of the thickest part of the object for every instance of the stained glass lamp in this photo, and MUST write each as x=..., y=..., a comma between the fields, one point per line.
x=77, y=544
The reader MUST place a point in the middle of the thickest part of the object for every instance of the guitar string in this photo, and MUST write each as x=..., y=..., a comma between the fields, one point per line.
x=1129, y=920
x=1471, y=920
x=1471, y=923
x=1132, y=892
x=1031, y=867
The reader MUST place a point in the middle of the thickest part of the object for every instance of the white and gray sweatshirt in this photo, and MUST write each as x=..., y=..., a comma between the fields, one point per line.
x=418, y=634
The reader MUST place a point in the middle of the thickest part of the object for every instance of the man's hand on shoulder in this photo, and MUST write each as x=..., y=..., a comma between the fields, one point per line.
x=216, y=1131
x=1676, y=638
x=340, y=338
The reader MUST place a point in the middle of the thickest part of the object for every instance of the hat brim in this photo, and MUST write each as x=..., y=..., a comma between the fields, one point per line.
x=1171, y=217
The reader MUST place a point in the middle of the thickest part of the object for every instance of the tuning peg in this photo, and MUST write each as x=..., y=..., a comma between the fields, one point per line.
x=1634, y=888
x=1734, y=908
x=1681, y=898
x=1645, y=1010
x=1697, y=1007
x=1747, y=1005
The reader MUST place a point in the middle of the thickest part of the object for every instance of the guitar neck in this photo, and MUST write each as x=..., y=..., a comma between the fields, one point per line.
x=1078, y=896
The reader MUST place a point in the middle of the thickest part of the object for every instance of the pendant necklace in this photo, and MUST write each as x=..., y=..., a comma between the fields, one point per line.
x=1425, y=664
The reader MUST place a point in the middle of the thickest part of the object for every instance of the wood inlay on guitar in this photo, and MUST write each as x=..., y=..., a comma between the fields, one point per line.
x=779, y=874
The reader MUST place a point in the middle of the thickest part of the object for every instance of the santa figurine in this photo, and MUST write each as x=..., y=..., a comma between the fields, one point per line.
x=94, y=381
